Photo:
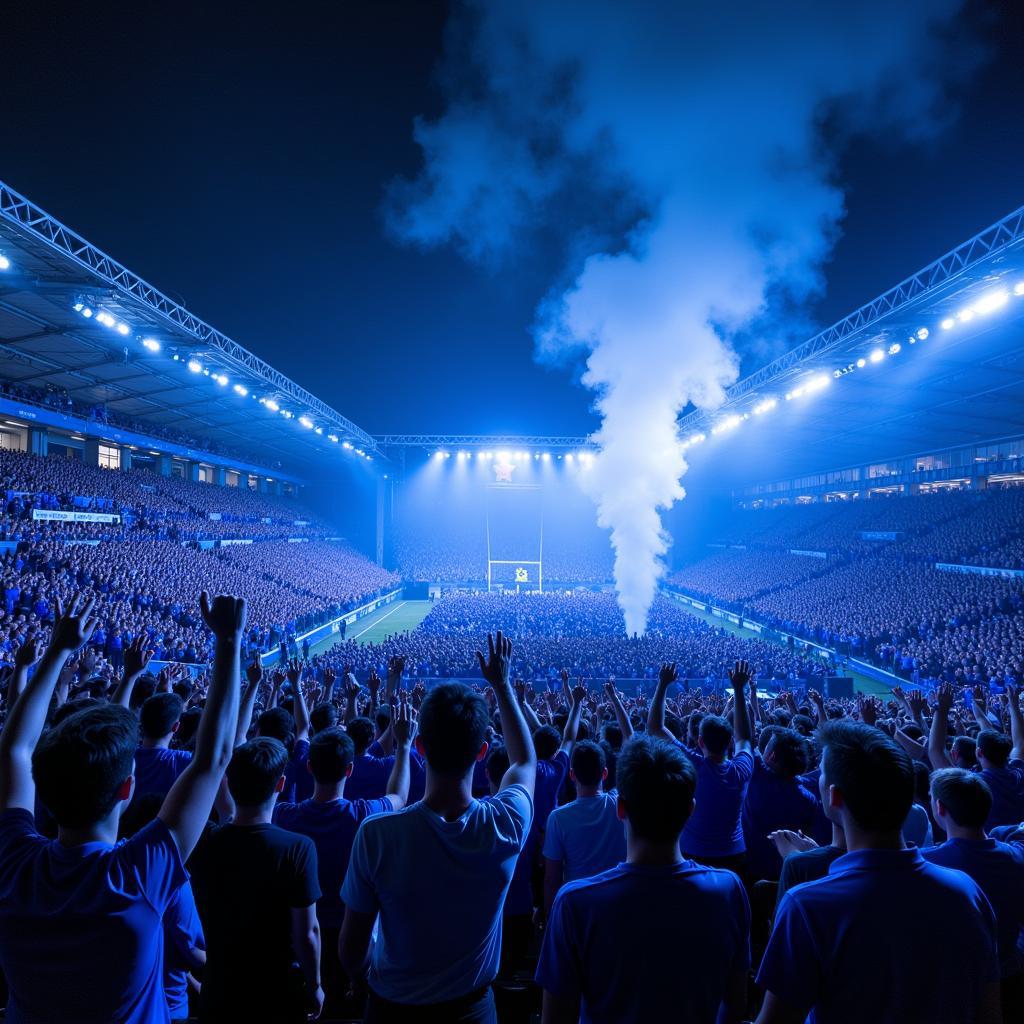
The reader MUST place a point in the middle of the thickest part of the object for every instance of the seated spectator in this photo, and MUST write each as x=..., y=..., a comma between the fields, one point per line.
x=442, y=949
x=596, y=965
x=878, y=905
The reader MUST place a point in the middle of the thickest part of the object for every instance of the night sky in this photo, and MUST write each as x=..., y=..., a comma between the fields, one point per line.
x=237, y=159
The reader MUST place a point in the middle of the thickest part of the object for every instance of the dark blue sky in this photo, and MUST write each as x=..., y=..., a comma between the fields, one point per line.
x=238, y=159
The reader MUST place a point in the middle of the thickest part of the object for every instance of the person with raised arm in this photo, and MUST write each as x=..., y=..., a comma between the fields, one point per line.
x=437, y=954
x=87, y=945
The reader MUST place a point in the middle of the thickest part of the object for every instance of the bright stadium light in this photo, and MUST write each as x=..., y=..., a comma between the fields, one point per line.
x=894, y=348
x=438, y=455
x=87, y=312
x=546, y=456
x=922, y=334
x=306, y=422
x=333, y=438
x=697, y=438
x=240, y=389
x=1018, y=288
x=765, y=406
x=151, y=343
x=877, y=356
x=319, y=430
x=861, y=363
x=195, y=366
x=948, y=323
x=568, y=456
x=123, y=329
x=287, y=415
x=5, y=263
x=991, y=302
x=221, y=379
x=105, y=318
x=730, y=423
x=462, y=456
x=78, y=307
x=271, y=405
x=964, y=315
x=346, y=444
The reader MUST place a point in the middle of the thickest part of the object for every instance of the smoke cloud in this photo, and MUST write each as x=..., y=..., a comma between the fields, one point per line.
x=685, y=157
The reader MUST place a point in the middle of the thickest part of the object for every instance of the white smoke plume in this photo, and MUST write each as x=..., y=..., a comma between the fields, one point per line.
x=684, y=155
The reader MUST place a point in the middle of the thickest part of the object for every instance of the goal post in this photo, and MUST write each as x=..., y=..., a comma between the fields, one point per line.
x=515, y=537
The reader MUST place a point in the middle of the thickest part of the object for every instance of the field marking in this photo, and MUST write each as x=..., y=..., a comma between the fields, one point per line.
x=381, y=619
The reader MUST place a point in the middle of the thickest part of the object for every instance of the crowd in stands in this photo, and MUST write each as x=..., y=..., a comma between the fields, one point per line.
x=321, y=843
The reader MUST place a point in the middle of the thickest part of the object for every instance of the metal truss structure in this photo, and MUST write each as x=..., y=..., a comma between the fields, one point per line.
x=983, y=247
x=475, y=442
x=18, y=210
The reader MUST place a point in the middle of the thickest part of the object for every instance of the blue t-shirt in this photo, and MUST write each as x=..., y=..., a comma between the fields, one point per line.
x=298, y=782
x=80, y=927
x=999, y=869
x=369, y=778
x=1007, y=785
x=619, y=943
x=871, y=941
x=157, y=768
x=332, y=826
x=772, y=802
x=441, y=940
x=586, y=835
x=182, y=933
x=550, y=776
x=715, y=829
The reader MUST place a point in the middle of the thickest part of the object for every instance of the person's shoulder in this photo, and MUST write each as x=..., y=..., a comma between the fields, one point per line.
x=583, y=889
x=18, y=826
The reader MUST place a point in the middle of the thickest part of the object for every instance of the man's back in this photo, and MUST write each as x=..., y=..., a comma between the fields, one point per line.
x=332, y=825
x=247, y=879
x=620, y=943
x=714, y=829
x=157, y=768
x=439, y=940
x=999, y=869
x=586, y=835
x=872, y=941
x=80, y=927
x=1007, y=785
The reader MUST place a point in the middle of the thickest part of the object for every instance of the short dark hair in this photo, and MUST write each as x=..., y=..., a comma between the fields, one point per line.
x=361, y=730
x=994, y=746
x=331, y=751
x=497, y=764
x=71, y=707
x=453, y=727
x=323, y=716
x=966, y=750
x=277, y=724
x=656, y=782
x=254, y=769
x=789, y=750
x=588, y=763
x=965, y=795
x=80, y=764
x=716, y=733
x=160, y=714
x=545, y=742
x=382, y=719
x=144, y=688
x=874, y=775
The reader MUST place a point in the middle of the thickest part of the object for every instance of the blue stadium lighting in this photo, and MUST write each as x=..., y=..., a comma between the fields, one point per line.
x=991, y=302
x=306, y=422
x=546, y=456
x=105, y=318
x=462, y=456
x=1018, y=289
x=767, y=405
x=5, y=263
x=123, y=329
x=922, y=334
x=240, y=389
x=195, y=366
x=569, y=457
x=861, y=363
x=877, y=356
x=151, y=343
x=894, y=348
x=272, y=405
x=319, y=430
x=287, y=415
x=730, y=423
x=78, y=307
x=221, y=379
x=87, y=312
x=333, y=438
x=964, y=315
x=345, y=444
x=948, y=324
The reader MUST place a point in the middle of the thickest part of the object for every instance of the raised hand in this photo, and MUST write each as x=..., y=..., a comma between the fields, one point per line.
x=579, y=692
x=740, y=675
x=351, y=686
x=73, y=628
x=373, y=684
x=498, y=664
x=30, y=651
x=917, y=703
x=136, y=656
x=980, y=697
x=868, y=710
x=254, y=671
x=396, y=666
x=403, y=723
x=668, y=674
x=520, y=689
x=225, y=617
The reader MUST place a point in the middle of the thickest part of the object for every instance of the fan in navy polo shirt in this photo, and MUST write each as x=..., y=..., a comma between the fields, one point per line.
x=156, y=765
x=81, y=934
x=961, y=802
x=598, y=966
x=861, y=944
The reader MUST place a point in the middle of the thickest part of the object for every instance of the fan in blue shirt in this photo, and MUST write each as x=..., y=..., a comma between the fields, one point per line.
x=961, y=803
x=861, y=943
x=81, y=934
x=156, y=765
x=598, y=965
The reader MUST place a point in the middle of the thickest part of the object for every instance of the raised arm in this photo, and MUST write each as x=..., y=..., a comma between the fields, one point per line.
x=522, y=769
x=937, y=734
x=24, y=658
x=254, y=675
x=742, y=736
x=351, y=696
x=615, y=699
x=524, y=706
x=572, y=723
x=26, y=718
x=403, y=726
x=1016, y=722
x=979, y=706
x=656, y=712
x=299, y=709
x=186, y=808
x=396, y=666
x=136, y=659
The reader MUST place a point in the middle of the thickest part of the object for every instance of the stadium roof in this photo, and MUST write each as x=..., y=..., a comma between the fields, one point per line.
x=936, y=362
x=144, y=356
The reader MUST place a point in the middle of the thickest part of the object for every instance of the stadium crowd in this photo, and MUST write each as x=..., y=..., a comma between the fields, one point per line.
x=306, y=844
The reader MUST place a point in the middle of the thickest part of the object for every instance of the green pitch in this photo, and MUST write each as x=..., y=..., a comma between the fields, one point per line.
x=392, y=618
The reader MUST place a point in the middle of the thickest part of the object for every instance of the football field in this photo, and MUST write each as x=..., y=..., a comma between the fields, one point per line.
x=392, y=618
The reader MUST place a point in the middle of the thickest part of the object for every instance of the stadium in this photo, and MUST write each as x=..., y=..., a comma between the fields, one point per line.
x=433, y=720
